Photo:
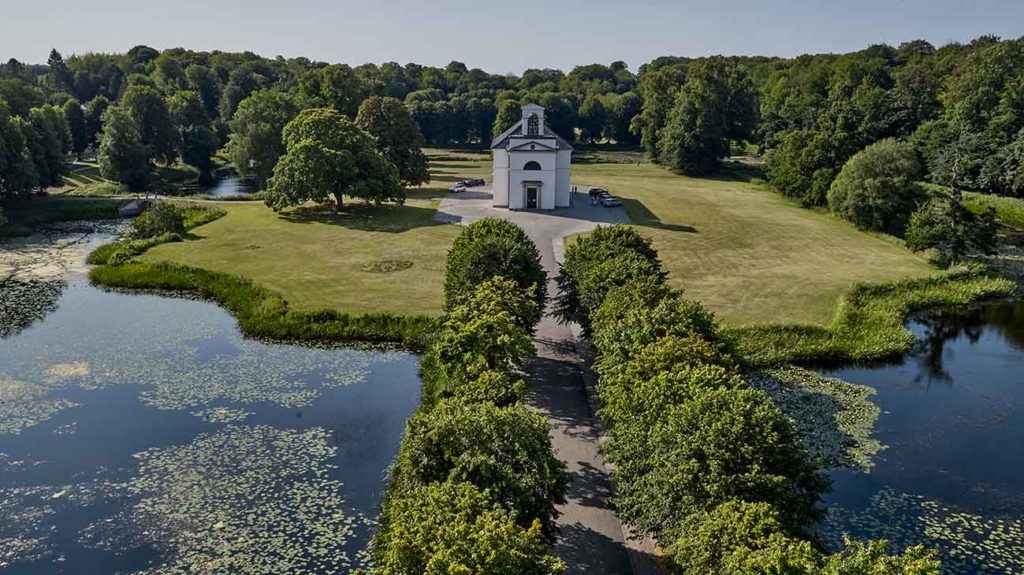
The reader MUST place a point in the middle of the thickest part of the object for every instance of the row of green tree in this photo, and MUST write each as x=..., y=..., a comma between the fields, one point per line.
x=475, y=483
x=704, y=463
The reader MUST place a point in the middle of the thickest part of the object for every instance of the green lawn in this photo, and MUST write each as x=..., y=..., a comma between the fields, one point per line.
x=317, y=259
x=746, y=253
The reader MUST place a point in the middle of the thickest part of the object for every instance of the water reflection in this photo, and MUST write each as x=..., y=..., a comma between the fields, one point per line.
x=952, y=476
x=230, y=186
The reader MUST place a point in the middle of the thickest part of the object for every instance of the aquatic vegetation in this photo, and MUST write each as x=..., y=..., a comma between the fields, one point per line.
x=24, y=405
x=247, y=499
x=22, y=303
x=61, y=371
x=222, y=414
x=834, y=418
x=967, y=543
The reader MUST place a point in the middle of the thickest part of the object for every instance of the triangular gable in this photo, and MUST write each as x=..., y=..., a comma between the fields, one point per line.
x=499, y=141
x=538, y=145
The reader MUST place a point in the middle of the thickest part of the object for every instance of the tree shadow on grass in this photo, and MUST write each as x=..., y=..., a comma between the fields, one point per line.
x=641, y=216
x=737, y=171
x=365, y=217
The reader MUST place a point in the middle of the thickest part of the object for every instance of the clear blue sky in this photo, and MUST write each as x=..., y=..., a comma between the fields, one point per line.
x=496, y=35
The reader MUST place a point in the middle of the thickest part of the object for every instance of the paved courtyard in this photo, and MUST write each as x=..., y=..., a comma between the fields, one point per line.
x=591, y=539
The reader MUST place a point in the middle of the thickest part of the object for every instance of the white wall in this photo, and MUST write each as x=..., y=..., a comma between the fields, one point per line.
x=563, y=178
x=499, y=178
x=517, y=195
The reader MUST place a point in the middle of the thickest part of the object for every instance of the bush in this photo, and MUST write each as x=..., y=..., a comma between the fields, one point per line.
x=454, y=528
x=740, y=538
x=947, y=226
x=161, y=218
x=877, y=189
x=724, y=444
x=504, y=451
x=628, y=321
x=606, y=258
x=481, y=336
x=801, y=167
x=493, y=247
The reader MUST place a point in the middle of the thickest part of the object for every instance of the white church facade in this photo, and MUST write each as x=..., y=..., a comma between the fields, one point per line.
x=532, y=165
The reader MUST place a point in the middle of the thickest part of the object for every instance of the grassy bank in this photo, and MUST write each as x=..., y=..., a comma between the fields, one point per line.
x=1009, y=211
x=366, y=258
x=262, y=313
x=868, y=323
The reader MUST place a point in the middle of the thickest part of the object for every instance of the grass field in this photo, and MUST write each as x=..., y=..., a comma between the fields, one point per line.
x=352, y=261
x=746, y=253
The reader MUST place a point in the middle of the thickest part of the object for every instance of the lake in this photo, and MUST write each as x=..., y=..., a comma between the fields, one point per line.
x=230, y=186
x=952, y=473
x=144, y=434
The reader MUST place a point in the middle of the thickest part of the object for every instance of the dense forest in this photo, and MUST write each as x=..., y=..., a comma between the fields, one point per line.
x=959, y=107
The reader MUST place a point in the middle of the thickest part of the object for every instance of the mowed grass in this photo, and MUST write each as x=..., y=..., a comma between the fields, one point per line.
x=748, y=254
x=317, y=259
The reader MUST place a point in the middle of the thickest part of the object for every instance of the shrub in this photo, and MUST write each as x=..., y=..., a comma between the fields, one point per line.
x=801, y=167
x=724, y=444
x=448, y=528
x=947, y=226
x=740, y=538
x=877, y=189
x=627, y=322
x=504, y=451
x=493, y=247
x=161, y=218
x=575, y=301
x=479, y=336
x=873, y=557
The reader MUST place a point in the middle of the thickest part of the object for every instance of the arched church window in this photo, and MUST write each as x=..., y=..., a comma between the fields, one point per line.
x=532, y=166
x=532, y=125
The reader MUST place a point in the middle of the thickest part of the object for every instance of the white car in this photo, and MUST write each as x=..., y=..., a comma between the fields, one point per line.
x=457, y=188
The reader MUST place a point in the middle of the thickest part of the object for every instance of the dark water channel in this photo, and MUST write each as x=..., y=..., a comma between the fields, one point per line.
x=952, y=473
x=144, y=434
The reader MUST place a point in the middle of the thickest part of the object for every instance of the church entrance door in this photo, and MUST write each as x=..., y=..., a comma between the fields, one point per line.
x=531, y=198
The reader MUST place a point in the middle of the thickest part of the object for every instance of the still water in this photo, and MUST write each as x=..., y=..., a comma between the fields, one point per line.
x=952, y=473
x=144, y=434
x=230, y=186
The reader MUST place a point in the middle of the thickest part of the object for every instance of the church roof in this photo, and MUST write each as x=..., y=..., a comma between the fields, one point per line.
x=502, y=140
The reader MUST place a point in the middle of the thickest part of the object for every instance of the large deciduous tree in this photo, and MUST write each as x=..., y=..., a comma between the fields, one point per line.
x=397, y=135
x=336, y=86
x=256, y=143
x=198, y=141
x=714, y=106
x=153, y=120
x=123, y=157
x=77, y=126
x=329, y=157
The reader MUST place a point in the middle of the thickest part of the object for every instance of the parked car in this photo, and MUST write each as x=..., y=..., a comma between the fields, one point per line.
x=610, y=201
x=457, y=187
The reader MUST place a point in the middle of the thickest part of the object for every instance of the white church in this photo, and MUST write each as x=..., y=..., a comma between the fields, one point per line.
x=531, y=165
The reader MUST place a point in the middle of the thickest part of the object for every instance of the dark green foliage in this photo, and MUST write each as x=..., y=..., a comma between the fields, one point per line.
x=336, y=86
x=161, y=218
x=724, y=444
x=447, y=528
x=944, y=224
x=255, y=143
x=327, y=156
x=504, y=451
x=79, y=131
x=740, y=538
x=149, y=111
x=123, y=157
x=198, y=142
x=48, y=141
x=802, y=166
x=714, y=106
x=493, y=247
x=596, y=263
x=475, y=354
x=94, y=110
x=397, y=136
x=878, y=188
x=18, y=176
